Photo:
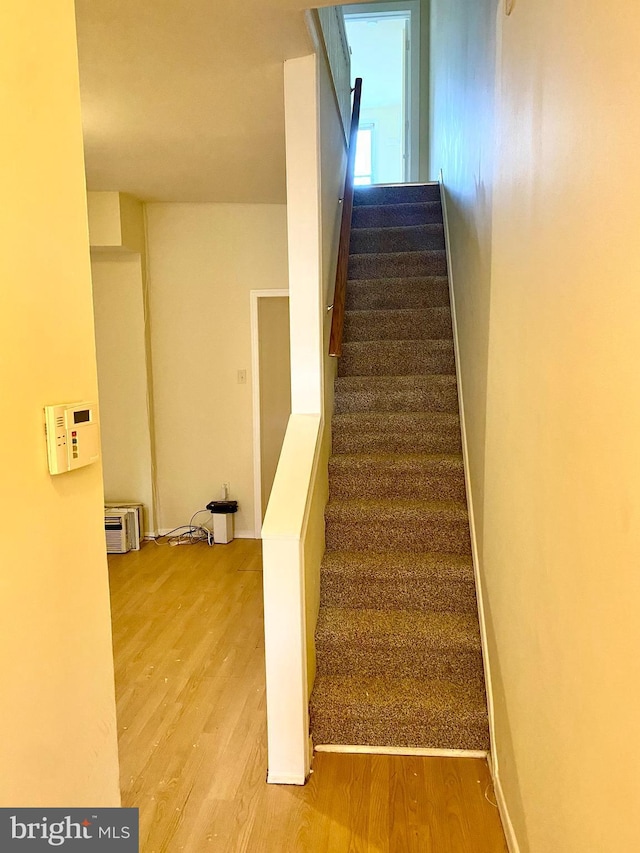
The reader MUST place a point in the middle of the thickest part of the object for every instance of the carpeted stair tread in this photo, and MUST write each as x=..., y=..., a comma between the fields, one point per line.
x=379, y=524
x=436, y=393
x=393, y=215
x=345, y=626
x=398, y=580
x=397, y=264
x=396, y=358
x=398, y=324
x=396, y=432
x=401, y=712
x=404, y=238
x=396, y=194
x=397, y=475
x=434, y=645
x=384, y=293
x=399, y=508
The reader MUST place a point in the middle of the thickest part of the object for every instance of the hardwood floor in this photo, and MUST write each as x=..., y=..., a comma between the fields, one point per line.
x=189, y=660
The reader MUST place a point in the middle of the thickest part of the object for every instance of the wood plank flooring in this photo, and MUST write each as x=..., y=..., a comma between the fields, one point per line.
x=188, y=646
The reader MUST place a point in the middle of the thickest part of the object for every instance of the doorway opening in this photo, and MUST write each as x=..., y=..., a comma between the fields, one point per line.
x=384, y=39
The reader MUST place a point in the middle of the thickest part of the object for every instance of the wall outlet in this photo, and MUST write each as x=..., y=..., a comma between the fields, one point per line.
x=225, y=492
x=242, y=377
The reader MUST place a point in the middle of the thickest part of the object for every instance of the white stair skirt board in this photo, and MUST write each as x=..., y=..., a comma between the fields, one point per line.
x=419, y=751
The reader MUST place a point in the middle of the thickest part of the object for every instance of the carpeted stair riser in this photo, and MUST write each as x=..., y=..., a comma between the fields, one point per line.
x=396, y=432
x=396, y=358
x=397, y=525
x=439, y=646
x=398, y=325
x=409, y=238
x=395, y=215
x=389, y=293
x=399, y=194
x=399, y=712
x=396, y=394
x=397, y=264
x=395, y=580
x=397, y=476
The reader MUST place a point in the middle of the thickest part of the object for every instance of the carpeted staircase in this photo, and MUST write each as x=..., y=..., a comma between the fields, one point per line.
x=398, y=644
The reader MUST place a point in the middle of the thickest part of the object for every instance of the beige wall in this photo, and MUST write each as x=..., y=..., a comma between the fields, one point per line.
x=275, y=385
x=552, y=334
x=425, y=71
x=122, y=381
x=204, y=259
x=105, y=224
x=57, y=714
x=334, y=48
x=462, y=109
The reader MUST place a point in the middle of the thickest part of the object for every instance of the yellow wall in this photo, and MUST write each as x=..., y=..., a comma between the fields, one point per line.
x=105, y=226
x=123, y=347
x=204, y=259
x=57, y=714
x=122, y=380
x=547, y=292
x=275, y=385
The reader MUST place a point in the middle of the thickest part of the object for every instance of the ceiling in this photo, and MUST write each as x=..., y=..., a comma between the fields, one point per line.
x=183, y=101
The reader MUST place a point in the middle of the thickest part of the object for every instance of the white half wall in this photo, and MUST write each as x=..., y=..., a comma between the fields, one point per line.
x=293, y=531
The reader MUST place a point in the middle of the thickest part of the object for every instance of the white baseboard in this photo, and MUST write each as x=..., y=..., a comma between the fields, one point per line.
x=238, y=534
x=359, y=749
x=509, y=832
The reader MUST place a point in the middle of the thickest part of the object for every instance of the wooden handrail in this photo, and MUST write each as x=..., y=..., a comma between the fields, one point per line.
x=342, y=268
